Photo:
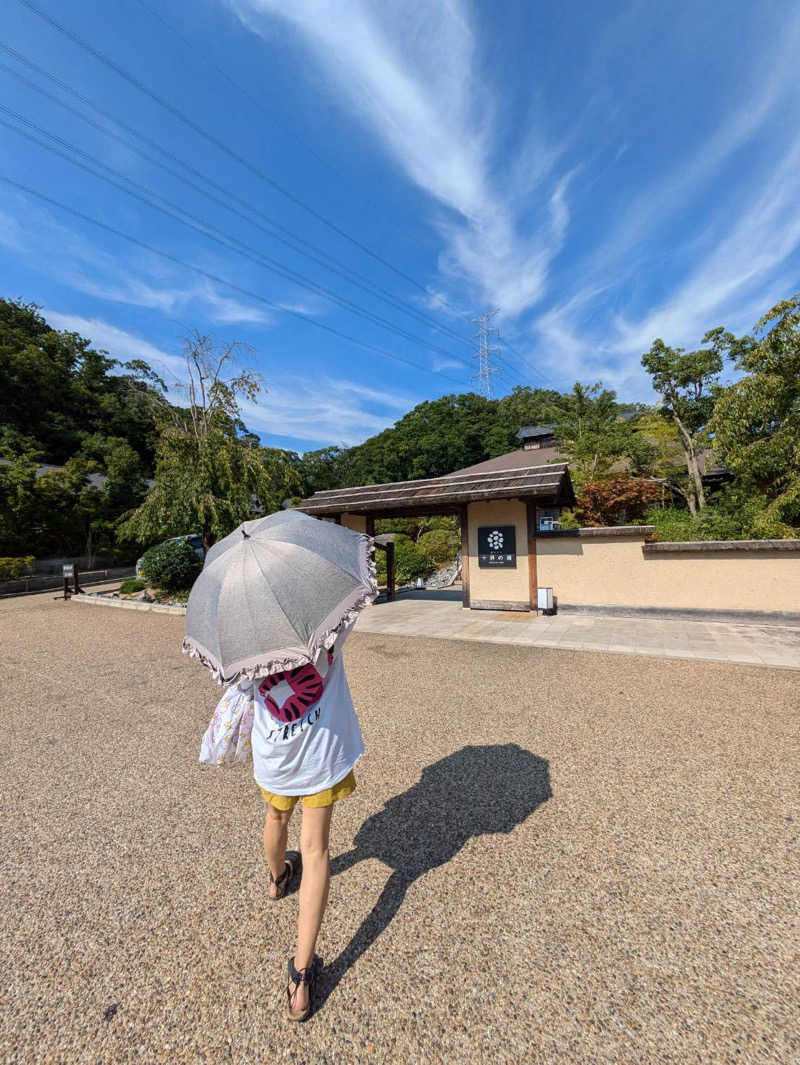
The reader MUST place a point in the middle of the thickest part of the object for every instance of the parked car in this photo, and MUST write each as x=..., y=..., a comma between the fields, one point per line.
x=194, y=539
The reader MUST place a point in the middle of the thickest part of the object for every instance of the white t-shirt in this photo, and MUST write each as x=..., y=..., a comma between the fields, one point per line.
x=304, y=742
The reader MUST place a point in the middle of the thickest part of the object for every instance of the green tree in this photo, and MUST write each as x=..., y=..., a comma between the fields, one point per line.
x=410, y=562
x=756, y=420
x=325, y=468
x=68, y=510
x=54, y=388
x=595, y=435
x=18, y=502
x=285, y=475
x=524, y=406
x=434, y=438
x=208, y=478
x=440, y=545
x=686, y=382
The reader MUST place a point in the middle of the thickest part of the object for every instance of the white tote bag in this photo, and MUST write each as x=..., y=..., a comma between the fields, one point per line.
x=227, y=738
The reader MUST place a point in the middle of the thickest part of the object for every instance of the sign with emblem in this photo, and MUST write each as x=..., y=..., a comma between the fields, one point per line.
x=497, y=546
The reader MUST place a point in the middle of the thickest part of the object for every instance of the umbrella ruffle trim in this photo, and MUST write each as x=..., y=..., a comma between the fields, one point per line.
x=283, y=660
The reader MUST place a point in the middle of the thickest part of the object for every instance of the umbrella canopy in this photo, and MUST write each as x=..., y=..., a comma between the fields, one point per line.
x=274, y=592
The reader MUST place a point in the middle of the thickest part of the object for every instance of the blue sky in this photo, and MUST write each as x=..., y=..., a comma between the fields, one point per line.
x=603, y=173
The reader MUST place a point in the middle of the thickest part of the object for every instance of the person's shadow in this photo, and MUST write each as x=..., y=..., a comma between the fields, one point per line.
x=474, y=791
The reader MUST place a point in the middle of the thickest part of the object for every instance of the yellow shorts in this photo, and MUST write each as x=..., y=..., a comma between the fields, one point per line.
x=322, y=798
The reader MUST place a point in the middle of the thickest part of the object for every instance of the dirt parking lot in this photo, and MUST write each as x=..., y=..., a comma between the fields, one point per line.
x=551, y=856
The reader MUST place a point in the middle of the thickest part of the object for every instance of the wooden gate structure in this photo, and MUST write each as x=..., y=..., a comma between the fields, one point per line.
x=496, y=503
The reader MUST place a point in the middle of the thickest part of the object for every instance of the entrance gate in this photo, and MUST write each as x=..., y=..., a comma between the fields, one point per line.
x=497, y=508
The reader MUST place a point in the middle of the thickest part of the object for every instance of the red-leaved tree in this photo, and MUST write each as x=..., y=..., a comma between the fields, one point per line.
x=617, y=500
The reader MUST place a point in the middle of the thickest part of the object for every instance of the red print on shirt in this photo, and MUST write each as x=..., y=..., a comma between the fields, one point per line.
x=306, y=684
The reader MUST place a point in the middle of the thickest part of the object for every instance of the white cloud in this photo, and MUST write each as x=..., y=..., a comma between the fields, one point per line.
x=140, y=280
x=408, y=71
x=412, y=73
x=323, y=410
x=119, y=343
x=742, y=273
x=735, y=276
x=440, y=363
x=727, y=271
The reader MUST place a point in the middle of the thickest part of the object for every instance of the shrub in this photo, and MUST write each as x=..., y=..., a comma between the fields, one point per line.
x=439, y=545
x=410, y=562
x=131, y=585
x=12, y=569
x=712, y=523
x=172, y=565
x=568, y=520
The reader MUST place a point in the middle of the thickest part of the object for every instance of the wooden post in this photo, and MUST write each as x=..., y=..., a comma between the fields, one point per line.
x=370, y=520
x=464, y=556
x=390, y=574
x=533, y=586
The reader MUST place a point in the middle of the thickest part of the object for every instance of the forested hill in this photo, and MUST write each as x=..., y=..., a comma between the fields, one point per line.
x=89, y=418
x=440, y=436
x=59, y=397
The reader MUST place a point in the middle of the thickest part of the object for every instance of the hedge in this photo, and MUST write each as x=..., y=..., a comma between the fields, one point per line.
x=12, y=569
x=172, y=565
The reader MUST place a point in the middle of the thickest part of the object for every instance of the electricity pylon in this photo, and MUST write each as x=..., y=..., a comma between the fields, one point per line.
x=484, y=352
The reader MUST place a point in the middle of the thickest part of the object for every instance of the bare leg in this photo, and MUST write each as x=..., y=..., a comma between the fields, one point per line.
x=314, y=836
x=276, y=830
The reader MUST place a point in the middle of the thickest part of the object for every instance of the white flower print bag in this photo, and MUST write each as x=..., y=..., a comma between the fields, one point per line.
x=227, y=738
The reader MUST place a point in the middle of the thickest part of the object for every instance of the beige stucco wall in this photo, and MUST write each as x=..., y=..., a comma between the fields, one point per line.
x=356, y=522
x=614, y=571
x=503, y=585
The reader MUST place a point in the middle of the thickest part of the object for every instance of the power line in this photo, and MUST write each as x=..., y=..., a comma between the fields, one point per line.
x=527, y=366
x=148, y=196
x=220, y=145
x=271, y=116
x=251, y=215
x=176, y=112
x=366, y=345
x=290, y=239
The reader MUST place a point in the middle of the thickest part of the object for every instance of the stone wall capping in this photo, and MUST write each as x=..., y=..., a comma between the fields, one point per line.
x=715, y=546
x=127, y=604
x=589, y=531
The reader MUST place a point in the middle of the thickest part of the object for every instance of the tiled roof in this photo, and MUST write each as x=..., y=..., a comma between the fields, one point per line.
x=540, y=456
x=455, y=489
x=531, y=432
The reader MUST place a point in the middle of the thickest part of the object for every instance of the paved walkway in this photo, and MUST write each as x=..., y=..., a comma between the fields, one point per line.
x=440, y=614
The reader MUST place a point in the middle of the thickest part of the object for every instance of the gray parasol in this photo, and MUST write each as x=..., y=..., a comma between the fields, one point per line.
x=274, y=592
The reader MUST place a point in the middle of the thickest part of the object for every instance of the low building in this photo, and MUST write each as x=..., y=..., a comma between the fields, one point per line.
x=497, y=503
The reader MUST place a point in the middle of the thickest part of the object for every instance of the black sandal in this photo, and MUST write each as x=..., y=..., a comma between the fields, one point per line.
x=298, y=977
x=293, y=867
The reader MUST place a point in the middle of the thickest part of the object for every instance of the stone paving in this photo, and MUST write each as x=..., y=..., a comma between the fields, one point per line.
x=440, y=614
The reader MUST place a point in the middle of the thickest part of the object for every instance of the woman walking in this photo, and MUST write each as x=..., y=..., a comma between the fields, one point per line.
x=305, y=742
x=271, y=610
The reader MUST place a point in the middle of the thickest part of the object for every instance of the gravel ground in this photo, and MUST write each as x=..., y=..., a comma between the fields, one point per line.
x=551, y=857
